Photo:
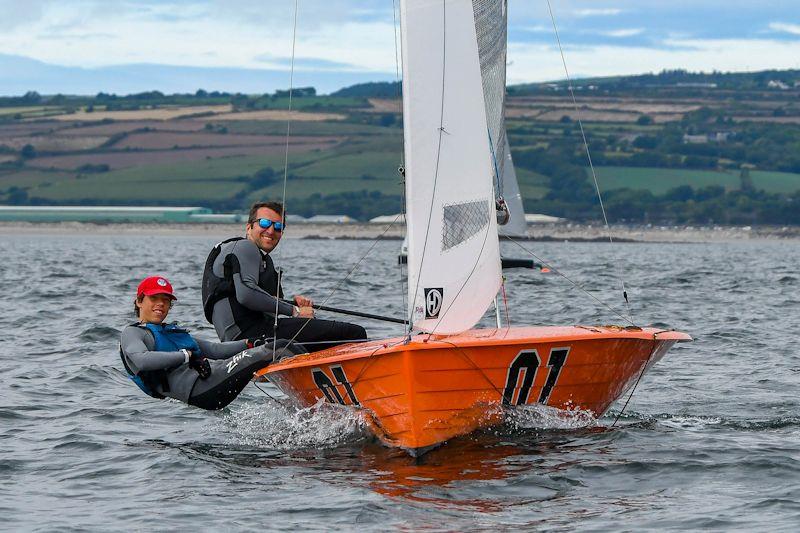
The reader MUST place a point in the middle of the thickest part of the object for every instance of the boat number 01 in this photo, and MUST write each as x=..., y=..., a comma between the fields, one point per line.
x=326, y=386
x=525, y=366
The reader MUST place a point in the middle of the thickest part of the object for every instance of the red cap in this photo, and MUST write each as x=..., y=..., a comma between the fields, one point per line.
x=155, y=285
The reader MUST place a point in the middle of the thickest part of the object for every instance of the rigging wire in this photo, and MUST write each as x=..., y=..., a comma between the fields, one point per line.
x=401, y=169
x=286, y=177
x=573, y=283
x=442, y=131
x=588, y=155
x=349, y=274
x=638, y=379
x=286, y=156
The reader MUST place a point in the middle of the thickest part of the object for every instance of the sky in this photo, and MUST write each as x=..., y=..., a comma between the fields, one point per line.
x=341, y=41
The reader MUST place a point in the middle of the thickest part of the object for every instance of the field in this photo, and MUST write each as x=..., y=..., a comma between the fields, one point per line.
x=661, y=180
x=212, y=154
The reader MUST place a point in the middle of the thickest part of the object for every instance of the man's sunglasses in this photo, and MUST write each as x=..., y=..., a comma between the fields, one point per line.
x=267, y=223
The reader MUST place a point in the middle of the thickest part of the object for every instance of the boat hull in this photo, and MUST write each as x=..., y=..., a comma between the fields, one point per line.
x=420, y=393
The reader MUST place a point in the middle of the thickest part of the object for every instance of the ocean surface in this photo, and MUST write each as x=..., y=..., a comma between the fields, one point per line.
x=710, y=438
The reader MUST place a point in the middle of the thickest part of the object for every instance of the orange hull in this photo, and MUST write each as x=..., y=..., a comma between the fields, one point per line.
x=424, y=392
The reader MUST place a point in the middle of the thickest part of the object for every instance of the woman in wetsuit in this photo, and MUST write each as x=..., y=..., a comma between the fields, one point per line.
x=166, y=362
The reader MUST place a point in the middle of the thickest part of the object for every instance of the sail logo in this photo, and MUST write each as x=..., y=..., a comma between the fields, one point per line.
x=433, y=302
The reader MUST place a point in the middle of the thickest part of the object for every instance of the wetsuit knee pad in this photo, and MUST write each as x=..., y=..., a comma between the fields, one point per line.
x=228, y=378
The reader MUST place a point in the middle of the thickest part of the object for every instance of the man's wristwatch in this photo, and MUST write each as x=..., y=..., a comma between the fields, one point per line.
x=186, y=355
x=295, y=311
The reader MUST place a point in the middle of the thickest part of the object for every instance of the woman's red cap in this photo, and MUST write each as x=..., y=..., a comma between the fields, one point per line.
x=155, y=285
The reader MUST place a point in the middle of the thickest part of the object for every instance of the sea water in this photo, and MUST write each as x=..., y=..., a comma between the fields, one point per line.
x=709, y=439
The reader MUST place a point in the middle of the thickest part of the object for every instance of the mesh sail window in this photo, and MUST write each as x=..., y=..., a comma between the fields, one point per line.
x=462, y=221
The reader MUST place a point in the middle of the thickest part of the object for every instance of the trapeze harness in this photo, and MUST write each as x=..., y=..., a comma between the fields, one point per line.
x=169, y=338
x=216, y=288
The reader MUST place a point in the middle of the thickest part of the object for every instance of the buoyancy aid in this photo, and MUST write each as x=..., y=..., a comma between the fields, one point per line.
x=215, y=288
x=168, y=338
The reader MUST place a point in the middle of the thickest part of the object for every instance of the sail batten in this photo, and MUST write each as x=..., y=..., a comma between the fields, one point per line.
x=453, y=251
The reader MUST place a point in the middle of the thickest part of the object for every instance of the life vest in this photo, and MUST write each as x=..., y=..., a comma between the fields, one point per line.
x=215, y=288
x=168, y=338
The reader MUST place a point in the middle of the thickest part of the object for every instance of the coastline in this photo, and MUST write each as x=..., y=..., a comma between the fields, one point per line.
x=569, y=232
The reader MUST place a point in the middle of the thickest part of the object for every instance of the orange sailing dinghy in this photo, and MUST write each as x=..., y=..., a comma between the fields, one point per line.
x=443, y=378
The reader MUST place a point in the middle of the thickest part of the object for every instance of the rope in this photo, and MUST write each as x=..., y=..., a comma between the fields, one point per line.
x=588, y=154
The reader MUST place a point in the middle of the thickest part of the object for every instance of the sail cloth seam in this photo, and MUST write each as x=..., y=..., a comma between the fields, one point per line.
x=436, y=172
x=286, y=152
x=588, y=154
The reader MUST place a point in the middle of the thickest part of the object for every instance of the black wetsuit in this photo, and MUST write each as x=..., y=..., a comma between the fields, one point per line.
x=232, y=367
x=240, y=284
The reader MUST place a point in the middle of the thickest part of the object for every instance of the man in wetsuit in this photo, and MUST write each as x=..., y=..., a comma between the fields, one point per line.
x=242, y=292
x=166, y=362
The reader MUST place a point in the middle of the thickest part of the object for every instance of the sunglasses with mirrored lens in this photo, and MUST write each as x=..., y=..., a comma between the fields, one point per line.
x=267, y=223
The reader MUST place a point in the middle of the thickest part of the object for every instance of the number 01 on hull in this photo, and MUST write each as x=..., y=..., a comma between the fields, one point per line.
x=418, y=394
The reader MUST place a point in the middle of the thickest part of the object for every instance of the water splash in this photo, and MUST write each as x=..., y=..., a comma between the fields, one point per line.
x=281, y=426
x=538, y=416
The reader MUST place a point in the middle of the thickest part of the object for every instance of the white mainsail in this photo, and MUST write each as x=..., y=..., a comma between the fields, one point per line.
x=453, y=251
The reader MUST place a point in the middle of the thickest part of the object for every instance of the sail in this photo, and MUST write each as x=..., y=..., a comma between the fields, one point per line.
x=453, y=250
x=516, y=227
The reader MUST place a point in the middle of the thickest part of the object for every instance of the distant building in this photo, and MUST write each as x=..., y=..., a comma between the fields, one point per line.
x=697, y=85
x=530, y=218
x=536, y=218
x=388, y=219
x=296, y=219
x=56, y=213
x=777, y=84
x=715, y=137
x=331, y=219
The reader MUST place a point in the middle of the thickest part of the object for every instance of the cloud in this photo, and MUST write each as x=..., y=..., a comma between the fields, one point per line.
x=538, y=62
x=594, y=12
x=538, y=29
x=784, y=27
x=623, y=33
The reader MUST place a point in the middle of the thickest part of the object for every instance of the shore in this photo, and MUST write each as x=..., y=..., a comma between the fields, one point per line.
x=540, y=232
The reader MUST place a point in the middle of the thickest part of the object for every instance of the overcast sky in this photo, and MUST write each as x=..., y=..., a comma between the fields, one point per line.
x=601, y=37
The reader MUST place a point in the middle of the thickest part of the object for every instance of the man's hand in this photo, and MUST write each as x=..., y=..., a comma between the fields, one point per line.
x=303, y=312
x=303, y=301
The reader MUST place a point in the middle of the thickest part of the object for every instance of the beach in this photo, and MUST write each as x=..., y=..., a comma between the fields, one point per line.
x=569, y=232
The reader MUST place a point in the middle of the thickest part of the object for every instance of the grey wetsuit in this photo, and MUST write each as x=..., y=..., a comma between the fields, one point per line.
x=255, y=282
x=232, y=367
